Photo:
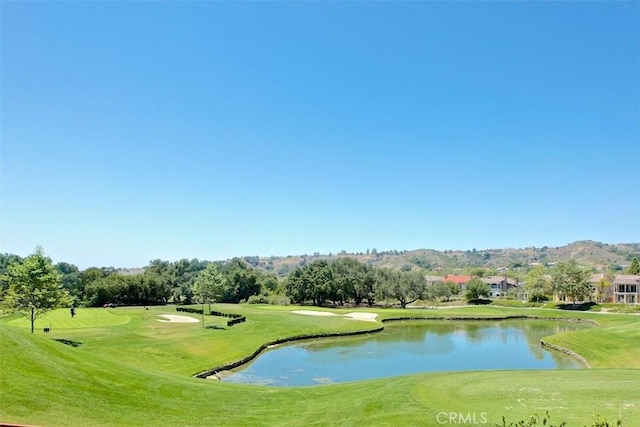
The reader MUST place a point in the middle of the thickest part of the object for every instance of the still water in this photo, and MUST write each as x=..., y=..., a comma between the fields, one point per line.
x=410, y=347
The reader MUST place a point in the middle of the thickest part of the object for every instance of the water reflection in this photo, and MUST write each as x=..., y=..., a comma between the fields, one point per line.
x=410, y=347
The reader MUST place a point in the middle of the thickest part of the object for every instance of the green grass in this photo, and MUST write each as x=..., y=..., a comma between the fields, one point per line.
x=62, y=319
x=617, y=308
x=515, y=303
x=130, y=369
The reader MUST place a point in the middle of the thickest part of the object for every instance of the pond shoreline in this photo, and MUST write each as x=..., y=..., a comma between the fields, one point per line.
x=216, y=373
x=566, y=351
x=212, y=373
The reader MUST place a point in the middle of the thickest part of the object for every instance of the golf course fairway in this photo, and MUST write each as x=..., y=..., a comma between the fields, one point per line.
x=134, y=367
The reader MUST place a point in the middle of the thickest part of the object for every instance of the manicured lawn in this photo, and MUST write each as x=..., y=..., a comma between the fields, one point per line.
x=130, y=369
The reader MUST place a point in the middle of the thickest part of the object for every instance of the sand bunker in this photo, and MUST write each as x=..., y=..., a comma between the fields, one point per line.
x=174, y=318
x=314, y=313
x=358, y=315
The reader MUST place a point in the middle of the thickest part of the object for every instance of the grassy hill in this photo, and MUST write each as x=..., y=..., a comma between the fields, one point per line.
x=587, y=252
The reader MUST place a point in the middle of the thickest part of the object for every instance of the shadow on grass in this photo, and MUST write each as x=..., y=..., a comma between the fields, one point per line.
x=69, y=342
x=584, y=306
x=216, y=327
x=480, y=301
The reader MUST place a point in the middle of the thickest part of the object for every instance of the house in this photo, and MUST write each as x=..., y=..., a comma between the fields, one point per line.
x=432, y=280
x=500, y=285
x=626, y=288
x=461, y=281
x=602, y=290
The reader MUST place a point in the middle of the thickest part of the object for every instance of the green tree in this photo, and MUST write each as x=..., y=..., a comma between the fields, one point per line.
x=476, y=288
x=313, y=281
x=104, y=290
x=367, y=288
x=70, y=276
x=481, y=272
x=295, y=286
x=320, y=279
x=345, y=277
x=406, y=287
x=538, y=284
x=35, y=287
x=209, y=286
x=444, y=290
x=603, y=286
x=241, y=280
x=571, y=280
x=352, y=279
x=164, y=273
x=634, y=268
x=5, y=261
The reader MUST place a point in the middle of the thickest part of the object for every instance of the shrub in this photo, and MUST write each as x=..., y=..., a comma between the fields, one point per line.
x=258, y=299
x=189, y=310
x=541, y=298
x=221, y=314
x=273, y=299
x=545, y=420
x=236, y=320
x=279, y=299
x=476, y=288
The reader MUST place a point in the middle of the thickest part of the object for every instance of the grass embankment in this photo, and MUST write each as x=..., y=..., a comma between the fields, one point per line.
x=130, y=369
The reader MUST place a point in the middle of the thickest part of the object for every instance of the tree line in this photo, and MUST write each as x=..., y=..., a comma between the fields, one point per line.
x=33, y=285
x=338, y=282
x=346, y=280
x=161, y=282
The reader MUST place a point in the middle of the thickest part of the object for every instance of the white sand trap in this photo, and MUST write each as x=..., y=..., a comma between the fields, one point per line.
x=361, y=315
x=314, y=313
x=175, y=318
x=358, y=315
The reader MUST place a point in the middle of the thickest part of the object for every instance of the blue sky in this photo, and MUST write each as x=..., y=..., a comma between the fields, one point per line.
x=139, y=130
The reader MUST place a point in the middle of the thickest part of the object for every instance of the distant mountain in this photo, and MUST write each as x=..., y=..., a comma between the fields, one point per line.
x=588, y=253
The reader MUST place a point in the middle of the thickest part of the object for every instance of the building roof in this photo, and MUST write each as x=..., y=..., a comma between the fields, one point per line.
x=458, y=280
x=627, y=279
x=499, y=279
x=596, y=277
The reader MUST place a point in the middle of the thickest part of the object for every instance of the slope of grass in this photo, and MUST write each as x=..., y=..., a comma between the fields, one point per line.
x=132, y=335
x=137, y=373
x=61, y=319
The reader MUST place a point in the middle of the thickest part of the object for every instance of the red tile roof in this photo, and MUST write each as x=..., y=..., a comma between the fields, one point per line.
x=458, y=280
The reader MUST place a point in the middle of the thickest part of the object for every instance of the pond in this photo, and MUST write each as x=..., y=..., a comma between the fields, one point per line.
x=409, y=347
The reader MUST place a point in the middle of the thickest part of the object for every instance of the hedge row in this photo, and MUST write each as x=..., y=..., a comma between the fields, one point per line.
x=236, y=318
x=218, y=313
x=189, y=310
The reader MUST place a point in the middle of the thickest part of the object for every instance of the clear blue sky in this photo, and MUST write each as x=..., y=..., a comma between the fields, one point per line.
x=141, y=130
